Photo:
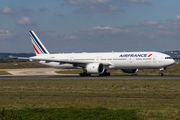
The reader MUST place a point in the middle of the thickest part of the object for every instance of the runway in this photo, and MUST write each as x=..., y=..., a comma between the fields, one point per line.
x=137, y=77
x=49, y=73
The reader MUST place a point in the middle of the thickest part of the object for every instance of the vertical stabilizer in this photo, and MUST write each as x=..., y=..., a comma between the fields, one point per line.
x=37, y=44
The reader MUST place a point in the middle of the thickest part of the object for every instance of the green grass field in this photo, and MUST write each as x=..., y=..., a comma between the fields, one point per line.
x=2, y=72
x=150, y=99
x=77, y=99
x=71, y=113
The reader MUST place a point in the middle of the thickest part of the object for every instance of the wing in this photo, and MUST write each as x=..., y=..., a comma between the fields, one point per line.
x=60, y=61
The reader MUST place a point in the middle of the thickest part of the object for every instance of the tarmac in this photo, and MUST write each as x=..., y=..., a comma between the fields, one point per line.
x=49, y=73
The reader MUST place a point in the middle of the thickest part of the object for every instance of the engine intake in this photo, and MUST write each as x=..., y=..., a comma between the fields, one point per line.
x=95, y=68
x=129, y=70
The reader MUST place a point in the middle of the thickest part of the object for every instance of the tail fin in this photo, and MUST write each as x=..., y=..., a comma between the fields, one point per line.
x=37, y=44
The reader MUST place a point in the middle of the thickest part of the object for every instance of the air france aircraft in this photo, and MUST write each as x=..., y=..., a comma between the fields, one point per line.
x=99, y=63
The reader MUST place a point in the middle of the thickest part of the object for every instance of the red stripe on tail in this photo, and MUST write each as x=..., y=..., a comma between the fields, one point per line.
x=36, y=49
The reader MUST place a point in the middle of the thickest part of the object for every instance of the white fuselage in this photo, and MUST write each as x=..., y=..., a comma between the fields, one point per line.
x=116, y=60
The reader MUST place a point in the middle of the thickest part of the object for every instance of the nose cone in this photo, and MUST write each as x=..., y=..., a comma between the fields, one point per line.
x=173, y=61
x=169, y=62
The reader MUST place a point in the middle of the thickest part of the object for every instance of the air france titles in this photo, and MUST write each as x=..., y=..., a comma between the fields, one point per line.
x=133, y=55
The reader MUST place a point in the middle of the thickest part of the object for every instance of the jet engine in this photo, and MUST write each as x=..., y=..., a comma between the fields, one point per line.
x=129, y=70
x=95, y=68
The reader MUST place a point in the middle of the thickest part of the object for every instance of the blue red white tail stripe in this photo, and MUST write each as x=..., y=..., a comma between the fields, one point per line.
x=37, y=45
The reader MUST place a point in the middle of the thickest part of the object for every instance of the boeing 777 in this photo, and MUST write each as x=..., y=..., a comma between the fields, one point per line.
x=99, y=63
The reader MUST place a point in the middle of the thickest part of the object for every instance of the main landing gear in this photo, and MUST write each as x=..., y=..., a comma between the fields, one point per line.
x=105, y=73
x=84, y=73
x=161, y=71
x=88, y=74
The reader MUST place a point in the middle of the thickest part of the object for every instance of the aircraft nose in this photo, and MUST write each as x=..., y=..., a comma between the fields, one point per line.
x=170, y=62
x=173, y=61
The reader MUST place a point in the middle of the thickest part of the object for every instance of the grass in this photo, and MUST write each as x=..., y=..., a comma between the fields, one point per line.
x=151, y=99
x=21, y=65
x=71, y=113
x=4, y=73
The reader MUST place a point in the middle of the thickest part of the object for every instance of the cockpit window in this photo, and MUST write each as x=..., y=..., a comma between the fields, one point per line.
x=168, y=58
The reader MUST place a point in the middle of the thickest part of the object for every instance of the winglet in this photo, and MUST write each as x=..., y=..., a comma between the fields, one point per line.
x=37, y=44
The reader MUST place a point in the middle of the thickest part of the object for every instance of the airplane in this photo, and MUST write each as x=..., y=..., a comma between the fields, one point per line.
x=99, y=63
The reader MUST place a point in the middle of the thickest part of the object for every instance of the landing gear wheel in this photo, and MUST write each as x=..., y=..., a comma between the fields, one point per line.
x=84, y=74
x=161, y=74
x=80, y=74
x=105, y=74
x=108, y=74
x=161, y=71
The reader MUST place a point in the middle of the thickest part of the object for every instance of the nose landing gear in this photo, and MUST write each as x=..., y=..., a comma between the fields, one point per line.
x=161, y=71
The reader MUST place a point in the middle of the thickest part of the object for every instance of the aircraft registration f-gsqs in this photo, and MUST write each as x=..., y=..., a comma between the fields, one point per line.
x=99, y=63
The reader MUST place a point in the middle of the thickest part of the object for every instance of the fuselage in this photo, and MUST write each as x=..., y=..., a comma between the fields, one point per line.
x=116, y=60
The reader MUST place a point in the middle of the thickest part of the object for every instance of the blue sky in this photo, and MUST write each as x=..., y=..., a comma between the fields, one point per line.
x=90, y=25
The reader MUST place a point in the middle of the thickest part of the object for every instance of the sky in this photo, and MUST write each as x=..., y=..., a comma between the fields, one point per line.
x=90, y=25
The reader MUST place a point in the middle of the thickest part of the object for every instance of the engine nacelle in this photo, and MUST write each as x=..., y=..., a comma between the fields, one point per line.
x=129, y=70
x=95, y=68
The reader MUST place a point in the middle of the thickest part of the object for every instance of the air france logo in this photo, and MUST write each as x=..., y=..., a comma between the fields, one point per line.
x=149, y=55
x=135, y=55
